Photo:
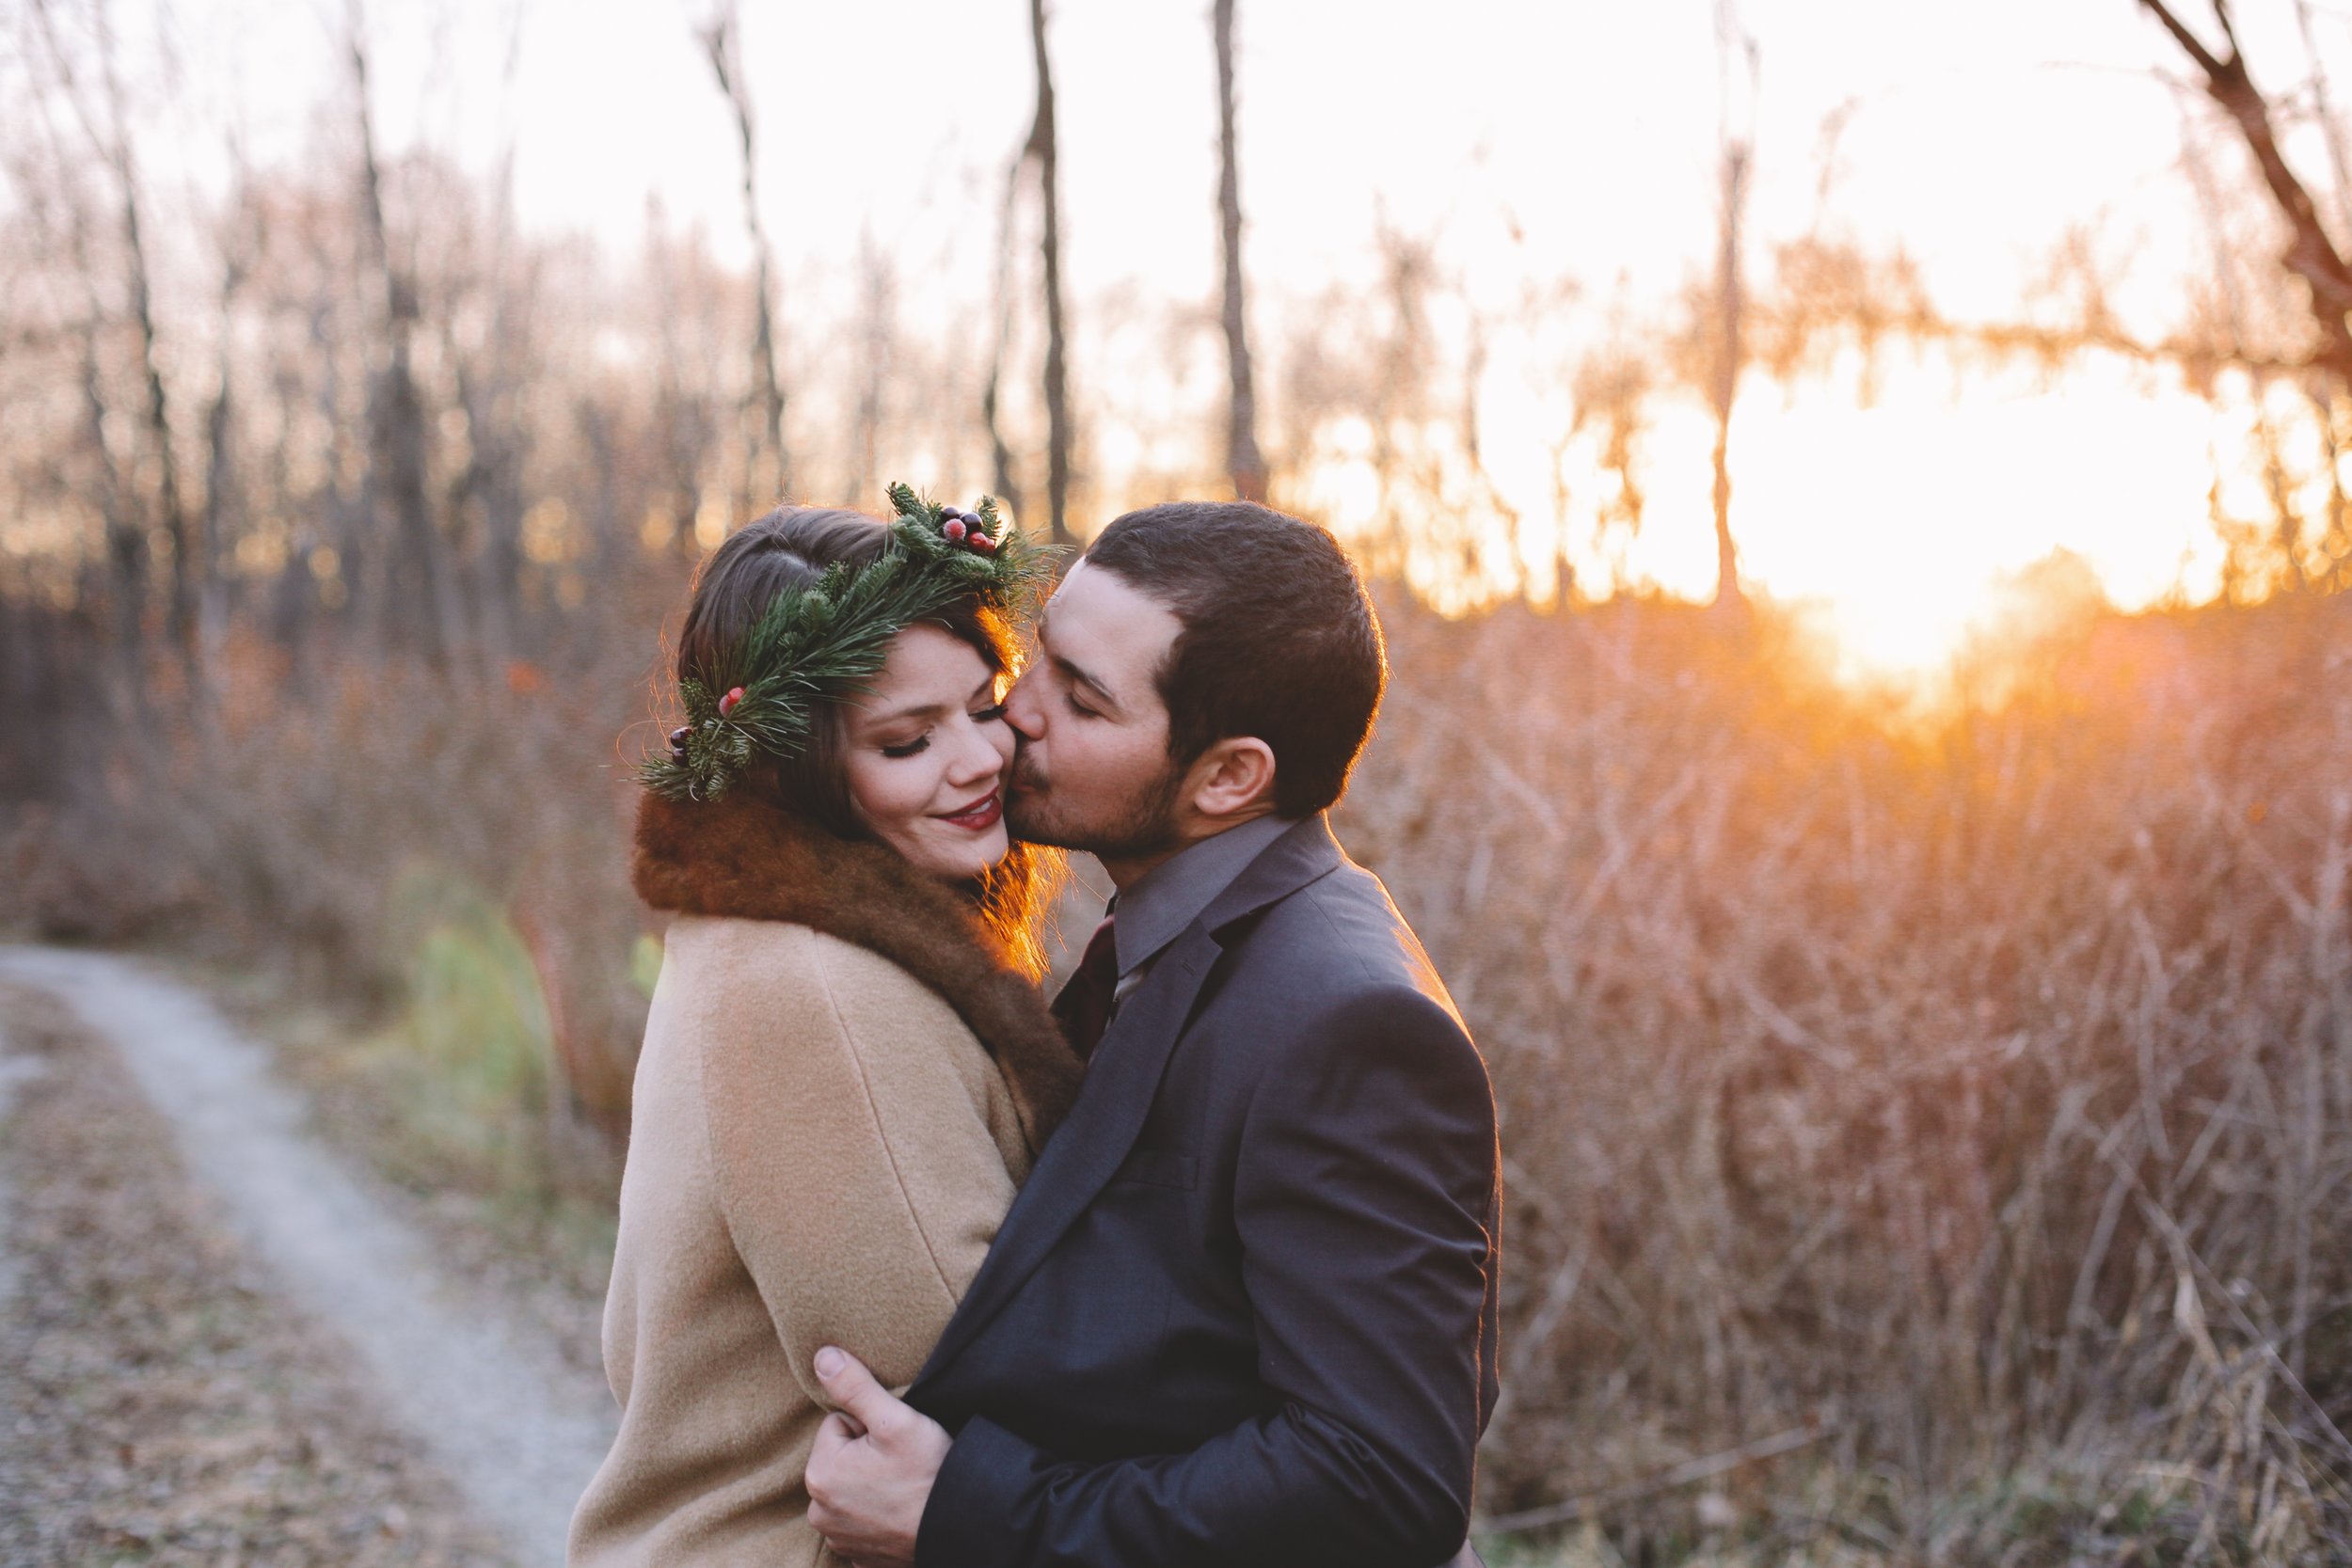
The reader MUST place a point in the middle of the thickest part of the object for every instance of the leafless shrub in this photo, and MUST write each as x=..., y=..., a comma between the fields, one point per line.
x=1980, y=1098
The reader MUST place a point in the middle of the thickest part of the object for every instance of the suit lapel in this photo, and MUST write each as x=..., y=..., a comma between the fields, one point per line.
x=1123, y=1079
x=1116, y=1097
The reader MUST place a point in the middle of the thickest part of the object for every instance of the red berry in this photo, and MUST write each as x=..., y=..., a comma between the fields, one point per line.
x=954, y=528
x=982, y=542
x=726, y=704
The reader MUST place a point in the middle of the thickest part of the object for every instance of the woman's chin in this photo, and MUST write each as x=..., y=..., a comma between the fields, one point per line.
x=990, y=847
x=967, y=856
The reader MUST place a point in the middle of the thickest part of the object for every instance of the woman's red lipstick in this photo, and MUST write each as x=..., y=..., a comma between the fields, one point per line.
x=981, y=816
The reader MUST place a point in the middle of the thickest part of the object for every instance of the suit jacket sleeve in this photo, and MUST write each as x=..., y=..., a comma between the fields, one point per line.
x=852, y=1158
x=1365, y=1199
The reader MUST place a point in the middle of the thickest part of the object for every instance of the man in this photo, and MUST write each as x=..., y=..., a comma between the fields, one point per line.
x=1243, y=1310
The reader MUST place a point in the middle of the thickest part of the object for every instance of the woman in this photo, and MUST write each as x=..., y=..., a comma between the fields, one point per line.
x=847, y=1066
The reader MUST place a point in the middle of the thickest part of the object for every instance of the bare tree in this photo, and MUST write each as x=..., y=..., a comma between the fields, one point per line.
x=770, y=473
x=170, y=504
x=112, y=142
x=239, y=233
x=108, y=483
x=492, y=385
x=1611, y=392
x=2324, y=109
x=1043, y=149
x=876, y=336
x=1243, y=463
x=1738, y=57
x=1008, y=485
x=683, y=414
x=416, y=596
x=2312, y=255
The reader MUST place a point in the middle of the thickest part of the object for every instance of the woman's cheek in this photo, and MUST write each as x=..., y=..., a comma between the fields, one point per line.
x=916, y=785
x=889, y=792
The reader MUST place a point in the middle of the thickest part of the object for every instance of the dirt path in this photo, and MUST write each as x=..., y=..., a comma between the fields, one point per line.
x=497, y=1411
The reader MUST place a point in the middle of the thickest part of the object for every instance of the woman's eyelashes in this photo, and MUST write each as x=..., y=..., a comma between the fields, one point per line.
x=988, y=715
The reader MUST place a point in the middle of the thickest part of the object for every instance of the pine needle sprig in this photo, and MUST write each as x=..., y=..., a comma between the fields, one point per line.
x=826, y=641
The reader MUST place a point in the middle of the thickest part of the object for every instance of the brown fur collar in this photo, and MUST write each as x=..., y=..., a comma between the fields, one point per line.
x=739, y=856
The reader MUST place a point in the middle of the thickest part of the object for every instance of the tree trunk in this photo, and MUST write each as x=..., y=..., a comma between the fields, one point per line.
x=1042, y=148
x=172, y=509
x=222, y=500
x=1244, y=465
x=496, y=399
x=1738, y=149
x=770, y=475
x=683, y=412
x=1727, y=386
x=1008, y=485
x=2312, y=256
x=128, y=547
x=877, y=334
x=2339, y=162
x=126, y=540
x=419, y=602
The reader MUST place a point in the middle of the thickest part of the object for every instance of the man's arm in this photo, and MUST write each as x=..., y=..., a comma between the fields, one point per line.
x=1362, y=1197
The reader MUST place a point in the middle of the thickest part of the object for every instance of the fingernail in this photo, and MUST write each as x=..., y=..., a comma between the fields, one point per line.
x=828, y=1361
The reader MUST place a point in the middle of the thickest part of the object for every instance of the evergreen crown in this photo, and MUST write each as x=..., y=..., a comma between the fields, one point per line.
x=823, y=642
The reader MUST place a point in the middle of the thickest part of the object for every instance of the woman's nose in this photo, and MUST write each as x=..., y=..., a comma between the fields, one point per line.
x=976, y=758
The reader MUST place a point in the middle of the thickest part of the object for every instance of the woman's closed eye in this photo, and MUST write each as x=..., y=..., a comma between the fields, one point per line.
x=988, y=715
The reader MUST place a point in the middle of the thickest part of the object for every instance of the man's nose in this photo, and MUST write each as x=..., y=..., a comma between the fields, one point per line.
x=1025, y=707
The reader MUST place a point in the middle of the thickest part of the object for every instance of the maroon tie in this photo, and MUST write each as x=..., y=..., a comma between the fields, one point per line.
x=1084, y=1007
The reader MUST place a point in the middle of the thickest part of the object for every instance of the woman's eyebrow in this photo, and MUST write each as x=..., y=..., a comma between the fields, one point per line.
x=896, y=715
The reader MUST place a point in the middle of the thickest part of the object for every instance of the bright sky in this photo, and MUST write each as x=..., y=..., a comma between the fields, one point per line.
x=1536, y=140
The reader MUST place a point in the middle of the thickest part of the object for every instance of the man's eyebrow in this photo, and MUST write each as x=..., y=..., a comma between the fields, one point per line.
x=1072, y=671
x=1078, y=673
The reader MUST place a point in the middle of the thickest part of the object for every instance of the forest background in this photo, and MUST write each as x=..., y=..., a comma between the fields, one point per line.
x=1871, y=746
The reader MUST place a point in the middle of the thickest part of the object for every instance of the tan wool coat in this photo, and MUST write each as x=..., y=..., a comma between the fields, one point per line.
x=843, y=1078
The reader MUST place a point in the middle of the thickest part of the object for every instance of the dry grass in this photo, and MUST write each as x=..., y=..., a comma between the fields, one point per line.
x=1980, y=1098
x=1973, y=1099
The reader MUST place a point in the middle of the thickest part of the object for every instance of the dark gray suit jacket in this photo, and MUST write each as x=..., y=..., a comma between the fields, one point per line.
x=1243, y=1310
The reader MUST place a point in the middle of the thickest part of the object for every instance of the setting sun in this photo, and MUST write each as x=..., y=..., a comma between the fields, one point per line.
x=1908, y=522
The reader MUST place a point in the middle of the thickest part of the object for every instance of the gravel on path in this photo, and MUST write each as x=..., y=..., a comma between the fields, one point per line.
x=517, y=1428
x=161, y=1405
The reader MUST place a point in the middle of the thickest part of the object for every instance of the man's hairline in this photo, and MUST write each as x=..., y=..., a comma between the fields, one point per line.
x=1166, y=664
x=1184, y=628
x=1160, y=668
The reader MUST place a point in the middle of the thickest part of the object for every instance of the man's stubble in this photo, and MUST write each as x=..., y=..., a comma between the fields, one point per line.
x=1140, y=825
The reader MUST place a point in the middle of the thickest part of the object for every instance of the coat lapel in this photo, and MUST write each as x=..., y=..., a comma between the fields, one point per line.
x=1113, y=1100
x=1122, y=1078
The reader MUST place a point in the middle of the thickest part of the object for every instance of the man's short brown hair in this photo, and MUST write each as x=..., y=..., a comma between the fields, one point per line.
x=1279, y=637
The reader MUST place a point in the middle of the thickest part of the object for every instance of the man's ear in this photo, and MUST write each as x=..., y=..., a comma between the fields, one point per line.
x=1233, y=780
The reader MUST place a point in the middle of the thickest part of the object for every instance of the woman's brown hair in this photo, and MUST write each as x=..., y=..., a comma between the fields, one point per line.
x=790, y=548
